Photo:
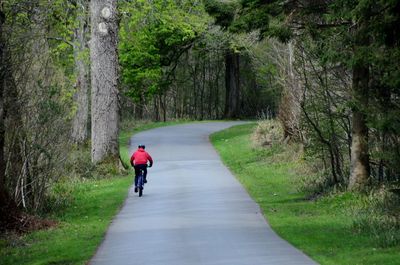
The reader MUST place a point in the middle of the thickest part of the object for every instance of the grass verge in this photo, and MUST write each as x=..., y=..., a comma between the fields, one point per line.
x=323, y=228
x=81, y=226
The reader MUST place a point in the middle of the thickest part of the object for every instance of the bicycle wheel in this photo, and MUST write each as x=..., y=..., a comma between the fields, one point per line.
x=140, y=184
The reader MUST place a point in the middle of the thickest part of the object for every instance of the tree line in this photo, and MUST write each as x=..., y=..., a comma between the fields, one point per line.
x=45, y=75
x=327, y=69
x=71, y=70
x=177, y=63
x=340, y=82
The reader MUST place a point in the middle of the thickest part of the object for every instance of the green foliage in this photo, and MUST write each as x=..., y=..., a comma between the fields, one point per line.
x=266, y=73
x=267, y=133
x=59, y=197
x=334, y=38
x=377, y=215
x=79, y=164
x=38, y=93
x=153, y=37
x=223, y=11
x=266, y=17
x=62, y=20
x=375, y=44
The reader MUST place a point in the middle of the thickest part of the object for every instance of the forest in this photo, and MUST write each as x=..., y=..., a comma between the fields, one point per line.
x=75, y=73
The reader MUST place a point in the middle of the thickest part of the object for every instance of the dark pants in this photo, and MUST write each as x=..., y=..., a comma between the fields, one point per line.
x=137, y=172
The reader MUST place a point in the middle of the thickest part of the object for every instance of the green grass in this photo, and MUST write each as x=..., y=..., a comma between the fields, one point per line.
x=81, y=226
x=321, y=228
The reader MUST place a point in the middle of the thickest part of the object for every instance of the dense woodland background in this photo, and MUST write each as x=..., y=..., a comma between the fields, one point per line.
x=73, y=71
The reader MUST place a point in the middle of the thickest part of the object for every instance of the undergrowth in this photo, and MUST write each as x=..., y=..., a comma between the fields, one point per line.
x=375, y=214
x=378, y=215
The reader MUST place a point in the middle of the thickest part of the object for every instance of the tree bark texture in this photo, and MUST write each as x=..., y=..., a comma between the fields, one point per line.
x=290, y=109
x=104, y=76
x=80, y=126
x=3, y=191
x=359, y=175
x=360, y=170
x=232, y=84
x=7, y=205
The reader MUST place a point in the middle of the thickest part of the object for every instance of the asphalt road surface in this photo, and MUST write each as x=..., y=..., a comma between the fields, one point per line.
x=193, y=210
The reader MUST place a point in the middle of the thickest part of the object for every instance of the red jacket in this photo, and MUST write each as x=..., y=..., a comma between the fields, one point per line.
x=140, y=157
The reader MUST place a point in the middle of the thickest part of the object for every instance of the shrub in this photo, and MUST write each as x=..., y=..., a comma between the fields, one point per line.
x=59, y=196
x=378, y=214
x=267, y=133
x=79, y=164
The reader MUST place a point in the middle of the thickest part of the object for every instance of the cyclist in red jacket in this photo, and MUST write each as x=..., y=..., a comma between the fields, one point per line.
x=139, y=161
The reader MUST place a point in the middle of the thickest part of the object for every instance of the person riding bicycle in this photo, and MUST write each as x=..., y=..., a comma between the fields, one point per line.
x=139, y=161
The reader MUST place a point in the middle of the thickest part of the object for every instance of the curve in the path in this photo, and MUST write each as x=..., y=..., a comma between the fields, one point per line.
x=193, y=211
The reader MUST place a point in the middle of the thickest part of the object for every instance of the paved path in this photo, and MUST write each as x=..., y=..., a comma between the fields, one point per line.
x=193, y=211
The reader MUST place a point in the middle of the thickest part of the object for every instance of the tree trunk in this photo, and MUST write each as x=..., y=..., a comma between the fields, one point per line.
x=194, y=113
x=359, y=175
x=104, y=75
x=163, y=104
x=4, y=198
x=156, y=115
x=210, y=86
x=203, y=84
x=290, y=110
x=232, y=85
x=80, y=126
x=15, y=131
x=360, y=170
x=7, y=205
x=217, y=82
x=139, y=106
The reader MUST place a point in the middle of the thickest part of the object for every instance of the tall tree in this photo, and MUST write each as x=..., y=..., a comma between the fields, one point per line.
x=104, y=76
x=80, y=130
x=224, y=14
x=4, y=197
x=154, y=36
x=362, y=38
x=359, y=174
x=232, y=84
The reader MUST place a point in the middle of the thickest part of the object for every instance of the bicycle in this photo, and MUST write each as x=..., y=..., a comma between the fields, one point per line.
x=140, y=182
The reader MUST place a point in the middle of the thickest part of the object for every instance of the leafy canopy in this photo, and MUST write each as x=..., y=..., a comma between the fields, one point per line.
x=154, y=34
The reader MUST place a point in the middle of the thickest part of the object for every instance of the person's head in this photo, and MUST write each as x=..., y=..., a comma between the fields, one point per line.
x=142, y=146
